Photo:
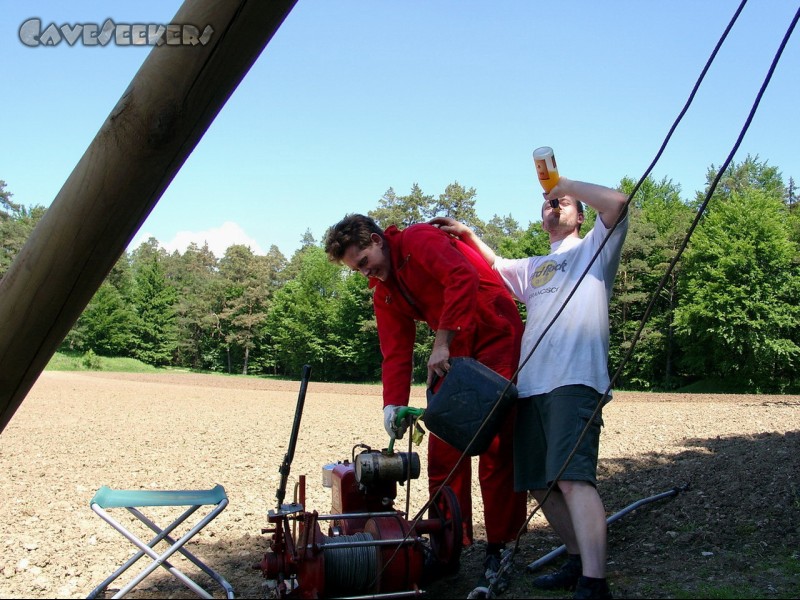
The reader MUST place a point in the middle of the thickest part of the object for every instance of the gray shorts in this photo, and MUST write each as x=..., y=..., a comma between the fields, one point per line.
x=546, y=429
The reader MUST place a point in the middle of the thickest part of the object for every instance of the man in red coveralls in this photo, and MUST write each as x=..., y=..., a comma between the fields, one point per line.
x=423, y=274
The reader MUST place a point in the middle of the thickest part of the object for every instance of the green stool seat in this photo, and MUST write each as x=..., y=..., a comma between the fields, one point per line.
x=108, y=498
x=132, y=500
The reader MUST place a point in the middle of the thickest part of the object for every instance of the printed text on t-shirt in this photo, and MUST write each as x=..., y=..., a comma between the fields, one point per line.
x=546, y=271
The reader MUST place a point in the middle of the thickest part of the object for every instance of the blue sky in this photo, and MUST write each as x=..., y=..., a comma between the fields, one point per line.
x=353, y=97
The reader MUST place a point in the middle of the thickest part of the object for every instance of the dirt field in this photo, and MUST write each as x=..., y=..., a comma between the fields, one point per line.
x=736, y=527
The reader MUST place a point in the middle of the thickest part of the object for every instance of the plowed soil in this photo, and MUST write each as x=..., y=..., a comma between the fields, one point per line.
x=731, y=522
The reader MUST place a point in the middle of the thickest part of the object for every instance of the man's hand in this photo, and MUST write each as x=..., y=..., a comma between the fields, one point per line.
x=451, y=226
x=465, y=234
x=395, y=430
x=439, y=361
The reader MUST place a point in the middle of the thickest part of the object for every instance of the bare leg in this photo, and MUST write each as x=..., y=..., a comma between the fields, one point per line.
x=588, y=524
x=557, y=513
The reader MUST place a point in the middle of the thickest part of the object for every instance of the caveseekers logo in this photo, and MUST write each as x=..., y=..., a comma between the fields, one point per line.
x=121, y=34
x=546, y=271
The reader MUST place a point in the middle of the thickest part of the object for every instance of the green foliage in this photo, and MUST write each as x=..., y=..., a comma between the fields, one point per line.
x=457, y=203
x=739, y=316
x=355, y=335
x=632, y=289
x=423, y=346
x=16, y=224
x=107, y=324
x=90, y=360
x=750, y=174
x=323, y=317
x=74, y=361
x=534, y=241
x=658, y=221
x=794, y=215
x=200, y=297
x=402, y=210
x=247, y=292
x=499, y=230
x=154, y=299
x=726, y=316
x=7, y=207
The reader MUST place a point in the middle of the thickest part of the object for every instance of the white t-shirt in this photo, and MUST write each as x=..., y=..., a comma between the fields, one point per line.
x=575, y=348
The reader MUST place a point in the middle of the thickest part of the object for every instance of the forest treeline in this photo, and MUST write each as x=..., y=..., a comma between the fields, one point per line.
x=729, y=310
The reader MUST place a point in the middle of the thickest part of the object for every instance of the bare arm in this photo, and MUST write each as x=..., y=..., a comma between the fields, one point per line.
x=607, y=202
x=466, y=235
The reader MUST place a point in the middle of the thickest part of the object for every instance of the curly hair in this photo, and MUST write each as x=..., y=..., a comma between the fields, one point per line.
x=353, y=229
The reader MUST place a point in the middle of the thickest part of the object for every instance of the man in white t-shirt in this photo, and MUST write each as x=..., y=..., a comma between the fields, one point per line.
x=564, y=372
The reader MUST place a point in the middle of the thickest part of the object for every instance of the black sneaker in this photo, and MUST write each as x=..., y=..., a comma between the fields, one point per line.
x=495, y=574
x=589, y=589
x=566, y=578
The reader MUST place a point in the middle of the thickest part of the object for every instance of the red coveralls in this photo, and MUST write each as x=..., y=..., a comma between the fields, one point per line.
x=445, y=283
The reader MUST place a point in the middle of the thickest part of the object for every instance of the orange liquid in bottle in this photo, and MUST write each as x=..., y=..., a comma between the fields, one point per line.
x=546, y=167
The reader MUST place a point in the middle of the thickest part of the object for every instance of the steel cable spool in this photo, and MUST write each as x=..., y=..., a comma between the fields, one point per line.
x=350, y=570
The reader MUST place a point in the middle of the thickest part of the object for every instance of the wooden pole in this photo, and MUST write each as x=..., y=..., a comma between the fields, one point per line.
x=160, y=118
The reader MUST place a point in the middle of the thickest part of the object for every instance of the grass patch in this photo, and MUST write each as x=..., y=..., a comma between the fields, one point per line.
x=68, y=361
x=780, y=578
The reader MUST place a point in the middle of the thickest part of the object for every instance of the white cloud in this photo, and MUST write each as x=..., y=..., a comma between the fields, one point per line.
x=218, y=239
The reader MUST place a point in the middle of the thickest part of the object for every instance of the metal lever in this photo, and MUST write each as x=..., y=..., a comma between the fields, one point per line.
x=298, y=413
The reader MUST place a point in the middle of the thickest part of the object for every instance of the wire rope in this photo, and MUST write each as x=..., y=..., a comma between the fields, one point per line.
x=350, y=569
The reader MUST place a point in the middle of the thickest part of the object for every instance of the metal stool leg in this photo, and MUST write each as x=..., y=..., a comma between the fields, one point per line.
x=182, y=548
x=162, y=534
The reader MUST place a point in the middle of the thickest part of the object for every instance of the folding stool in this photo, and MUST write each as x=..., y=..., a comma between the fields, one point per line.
x=132, y=500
